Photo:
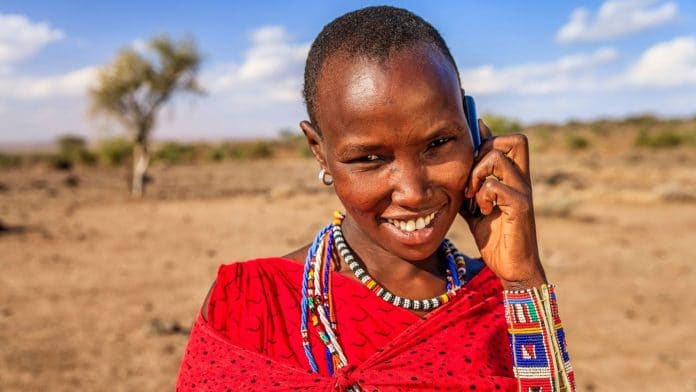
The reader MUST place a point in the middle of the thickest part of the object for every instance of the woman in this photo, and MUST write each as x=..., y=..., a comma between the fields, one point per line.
x=380, y=300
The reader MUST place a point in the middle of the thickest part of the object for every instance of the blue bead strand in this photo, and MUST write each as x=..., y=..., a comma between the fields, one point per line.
x=452, y=264
x=305, y=300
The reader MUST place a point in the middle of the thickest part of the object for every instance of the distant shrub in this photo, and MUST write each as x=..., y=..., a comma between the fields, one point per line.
x=304, y=151
x=574, y=123
x=88, y=157
x=71, y=143
x=501, y=125
x=217, y=153
x=260, y=149
x=62, y=162
x=72, y=149
x=241, y=151
x=576, y=142
x=115, y=151
x=661, y=139
x=10, y=160
x=691, y=137
x=173, y=152
x=642, y=120
x=295, y=141
x=600, y=127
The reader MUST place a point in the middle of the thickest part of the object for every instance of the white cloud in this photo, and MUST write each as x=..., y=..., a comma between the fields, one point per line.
x=139, y=45
x=666, y=64
x=73, y=83
x=21, y=38
x=569, y=73
x=272, y=69
x=615, y=18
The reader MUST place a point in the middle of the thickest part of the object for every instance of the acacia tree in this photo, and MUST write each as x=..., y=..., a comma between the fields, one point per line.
x=134, y=86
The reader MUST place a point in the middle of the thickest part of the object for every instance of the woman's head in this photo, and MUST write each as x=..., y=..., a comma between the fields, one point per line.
x=387, y=122
x=373, y=33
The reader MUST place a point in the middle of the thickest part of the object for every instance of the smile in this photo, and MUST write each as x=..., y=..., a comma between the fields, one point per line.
x=412, y=224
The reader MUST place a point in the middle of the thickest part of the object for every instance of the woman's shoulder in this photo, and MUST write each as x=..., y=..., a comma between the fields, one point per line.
x=239, y=282
x=257, y=268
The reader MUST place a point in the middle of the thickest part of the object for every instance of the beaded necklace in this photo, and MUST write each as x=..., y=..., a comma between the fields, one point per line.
x=317, y=299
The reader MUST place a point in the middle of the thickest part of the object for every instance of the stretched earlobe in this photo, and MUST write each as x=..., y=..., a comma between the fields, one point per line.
x=314, y=141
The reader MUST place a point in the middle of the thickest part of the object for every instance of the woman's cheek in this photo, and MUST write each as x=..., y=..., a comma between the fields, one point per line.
x=452, y=175
x=362, y=191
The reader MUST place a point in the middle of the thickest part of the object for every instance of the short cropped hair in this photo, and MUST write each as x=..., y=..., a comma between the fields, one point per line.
x=373, y=33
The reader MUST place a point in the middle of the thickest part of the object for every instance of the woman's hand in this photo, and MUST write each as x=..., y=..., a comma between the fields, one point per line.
x=506, y=232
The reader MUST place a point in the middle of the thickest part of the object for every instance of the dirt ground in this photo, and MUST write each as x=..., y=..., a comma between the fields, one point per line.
x=97, y=291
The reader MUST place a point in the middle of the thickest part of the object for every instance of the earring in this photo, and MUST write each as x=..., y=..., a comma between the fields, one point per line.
x=325, y=177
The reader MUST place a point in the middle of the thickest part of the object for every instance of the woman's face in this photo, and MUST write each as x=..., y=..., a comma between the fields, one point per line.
x=395, y=139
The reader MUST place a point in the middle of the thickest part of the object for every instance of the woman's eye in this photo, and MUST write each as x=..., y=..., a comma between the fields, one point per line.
x=368, y=158
x=439, y=142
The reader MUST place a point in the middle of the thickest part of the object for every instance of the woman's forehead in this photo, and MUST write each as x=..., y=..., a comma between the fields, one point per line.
x=354, y=89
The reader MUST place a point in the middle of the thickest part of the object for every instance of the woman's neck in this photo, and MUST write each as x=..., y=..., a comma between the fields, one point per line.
x=392, y=271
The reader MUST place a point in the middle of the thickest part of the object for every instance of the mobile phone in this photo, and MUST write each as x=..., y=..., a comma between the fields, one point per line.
x=472, y=120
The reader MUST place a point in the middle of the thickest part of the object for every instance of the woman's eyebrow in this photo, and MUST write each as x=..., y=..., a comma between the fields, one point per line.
x=356, y=149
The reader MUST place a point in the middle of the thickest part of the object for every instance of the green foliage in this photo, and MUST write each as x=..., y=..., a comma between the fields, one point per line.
x=259, y=150
x=658, y=139
x=10, y=160
x=295, y=141
x=114, y=151
x=501, y=125
x=134, y=86
x=71, y=143
x=600, y=127
x=574, y=123
x=576, y=142
x=72, y=149
x=241, y=151
x=642, y=120
x=690, y=136
x=173, y=152
x=217, y=153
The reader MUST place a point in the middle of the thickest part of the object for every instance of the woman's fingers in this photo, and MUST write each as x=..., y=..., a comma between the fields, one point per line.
x=494, y=193
x=496, y=164
x=515, y=147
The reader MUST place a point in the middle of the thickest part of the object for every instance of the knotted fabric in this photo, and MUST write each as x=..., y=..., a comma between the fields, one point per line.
x=252, y=340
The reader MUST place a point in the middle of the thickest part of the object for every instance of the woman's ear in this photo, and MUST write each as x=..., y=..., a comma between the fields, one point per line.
x=315, y=142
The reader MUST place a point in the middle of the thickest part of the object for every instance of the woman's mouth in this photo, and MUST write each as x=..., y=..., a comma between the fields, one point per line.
x=413, y=224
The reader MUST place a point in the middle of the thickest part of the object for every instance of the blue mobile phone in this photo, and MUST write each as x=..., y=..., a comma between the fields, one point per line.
x=472, y=120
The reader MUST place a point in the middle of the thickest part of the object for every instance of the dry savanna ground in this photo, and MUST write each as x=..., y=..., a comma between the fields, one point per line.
x=97, y=291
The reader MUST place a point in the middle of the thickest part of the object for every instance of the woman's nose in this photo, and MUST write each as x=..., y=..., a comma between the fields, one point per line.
x=411, y=187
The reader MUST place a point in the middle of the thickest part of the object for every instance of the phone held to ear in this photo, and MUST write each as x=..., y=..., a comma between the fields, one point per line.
x=472, y=120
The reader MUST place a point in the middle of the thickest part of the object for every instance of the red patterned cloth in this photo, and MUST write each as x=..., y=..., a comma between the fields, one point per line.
x=252, y=339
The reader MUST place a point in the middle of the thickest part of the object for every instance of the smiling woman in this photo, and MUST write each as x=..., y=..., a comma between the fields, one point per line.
x=381, y=300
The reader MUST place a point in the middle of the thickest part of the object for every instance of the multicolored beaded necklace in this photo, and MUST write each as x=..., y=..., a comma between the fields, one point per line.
x=317, y=299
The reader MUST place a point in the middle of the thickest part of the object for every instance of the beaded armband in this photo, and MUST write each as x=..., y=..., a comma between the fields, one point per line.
x=540, y=356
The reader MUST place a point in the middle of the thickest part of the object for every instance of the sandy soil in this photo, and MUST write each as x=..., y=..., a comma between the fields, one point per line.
x=97, y=291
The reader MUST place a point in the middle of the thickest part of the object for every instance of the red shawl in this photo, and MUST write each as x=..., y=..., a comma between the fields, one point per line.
x=252, y=339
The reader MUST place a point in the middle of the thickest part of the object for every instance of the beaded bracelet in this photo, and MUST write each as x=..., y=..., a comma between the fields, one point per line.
x=540, y=355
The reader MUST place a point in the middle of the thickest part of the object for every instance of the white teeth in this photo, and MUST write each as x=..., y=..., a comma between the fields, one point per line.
x=412, y=225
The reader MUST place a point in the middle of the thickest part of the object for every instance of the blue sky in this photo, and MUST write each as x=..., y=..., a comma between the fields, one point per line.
x=534, y=61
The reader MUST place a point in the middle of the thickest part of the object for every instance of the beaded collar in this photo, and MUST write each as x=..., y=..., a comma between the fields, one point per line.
x=317, y=300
